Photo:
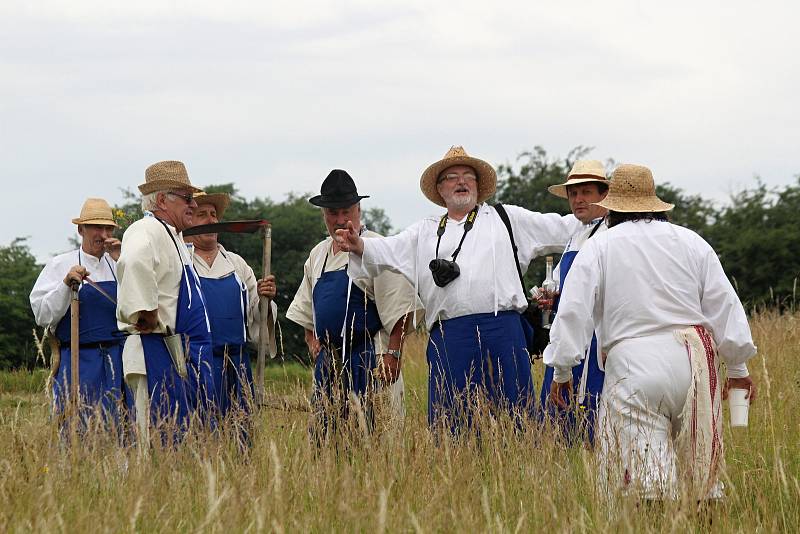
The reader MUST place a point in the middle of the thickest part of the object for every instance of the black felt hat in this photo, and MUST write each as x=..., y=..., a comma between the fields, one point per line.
x=337, y=191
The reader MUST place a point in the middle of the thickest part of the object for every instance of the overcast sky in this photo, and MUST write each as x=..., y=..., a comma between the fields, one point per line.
x=272, y=95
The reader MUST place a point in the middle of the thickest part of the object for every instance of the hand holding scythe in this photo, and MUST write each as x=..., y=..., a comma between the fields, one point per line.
x=76, y=275
x=265, y=287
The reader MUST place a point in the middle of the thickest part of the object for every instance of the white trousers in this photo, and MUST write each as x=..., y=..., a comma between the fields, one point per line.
x=646, y=385
x=141, y=395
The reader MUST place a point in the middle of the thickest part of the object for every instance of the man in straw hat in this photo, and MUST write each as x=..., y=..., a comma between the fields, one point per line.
x=463, y=266
x=353, y=326
x=664, y=312
x=586, y=184
x=100, y=359
x=167, y=358
x=231, y=294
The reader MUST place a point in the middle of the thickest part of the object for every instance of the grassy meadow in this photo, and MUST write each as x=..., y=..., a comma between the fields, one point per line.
x=402, y=480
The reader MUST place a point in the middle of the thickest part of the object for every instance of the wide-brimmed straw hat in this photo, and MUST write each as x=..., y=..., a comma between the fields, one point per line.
x=220, y=201
x=632, y=189
x=166, y=175
x=584, y=170
x=338, y=190
x=487, y=177
x=95, y=211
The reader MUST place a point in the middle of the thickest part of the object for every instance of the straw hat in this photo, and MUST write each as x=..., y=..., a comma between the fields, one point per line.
x=487, y=177
x=220, y=201
x=166, y=175
x=95, y=211
x=584, y=170
x=632, y=189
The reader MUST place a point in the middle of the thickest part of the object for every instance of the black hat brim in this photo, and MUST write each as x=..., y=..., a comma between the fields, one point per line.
x=336, y=202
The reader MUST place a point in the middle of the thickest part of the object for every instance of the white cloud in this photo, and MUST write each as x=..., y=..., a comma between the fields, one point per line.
x=273, y=95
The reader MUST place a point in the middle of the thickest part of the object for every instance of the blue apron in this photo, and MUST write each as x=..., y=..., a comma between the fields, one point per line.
x=477, y=354
x=173, y=399
x=594, y=380
x=226, y=301
x=100, y=358
x=348, y=368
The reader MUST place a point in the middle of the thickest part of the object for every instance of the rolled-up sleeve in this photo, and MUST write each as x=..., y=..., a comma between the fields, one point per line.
x=301, y=309
x=394, y=298
x=136, y=274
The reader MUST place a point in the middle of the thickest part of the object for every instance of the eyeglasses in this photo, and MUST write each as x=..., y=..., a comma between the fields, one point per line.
x=188, y=198
x=450, y=178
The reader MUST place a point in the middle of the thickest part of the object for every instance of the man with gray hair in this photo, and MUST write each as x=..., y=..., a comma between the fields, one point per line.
x=478, y=344
x=353, y=325
x=166, y=359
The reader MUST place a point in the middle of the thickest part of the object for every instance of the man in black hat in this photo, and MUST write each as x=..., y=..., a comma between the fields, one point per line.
x=354, y=327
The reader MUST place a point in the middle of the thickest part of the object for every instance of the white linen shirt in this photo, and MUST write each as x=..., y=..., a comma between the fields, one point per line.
x=393, y=295
x=576, y=242
x=489, y=281
x=642, y=278
x=224, y=264
x=50, y=295
x=149, y=273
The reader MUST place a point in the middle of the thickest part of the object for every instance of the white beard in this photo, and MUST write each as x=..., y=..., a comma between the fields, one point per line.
x=462, y=202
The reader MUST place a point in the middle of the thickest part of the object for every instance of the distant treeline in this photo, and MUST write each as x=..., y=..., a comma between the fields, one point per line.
x=756, y=235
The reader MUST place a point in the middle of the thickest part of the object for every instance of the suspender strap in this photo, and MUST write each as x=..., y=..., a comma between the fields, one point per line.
x=172, y=238
x=596, y=228
x=501, y=211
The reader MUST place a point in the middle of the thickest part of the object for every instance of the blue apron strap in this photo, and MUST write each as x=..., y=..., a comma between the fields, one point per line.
x=110, y=268
x=243, y=298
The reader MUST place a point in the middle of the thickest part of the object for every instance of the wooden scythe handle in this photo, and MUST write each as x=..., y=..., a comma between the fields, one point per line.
x=264, y=307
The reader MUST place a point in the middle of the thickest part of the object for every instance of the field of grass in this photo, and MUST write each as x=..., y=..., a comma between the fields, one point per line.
x=506, y=481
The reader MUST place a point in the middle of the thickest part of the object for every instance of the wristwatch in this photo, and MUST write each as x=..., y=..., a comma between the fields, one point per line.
x=396, y=353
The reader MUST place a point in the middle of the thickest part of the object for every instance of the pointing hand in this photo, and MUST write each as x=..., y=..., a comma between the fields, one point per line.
x=349, y=240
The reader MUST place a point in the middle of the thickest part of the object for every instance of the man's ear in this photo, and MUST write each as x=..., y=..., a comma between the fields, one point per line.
x=161, y=200
x=80, y=230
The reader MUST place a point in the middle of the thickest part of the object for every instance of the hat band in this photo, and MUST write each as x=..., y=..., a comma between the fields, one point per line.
x=340, y=198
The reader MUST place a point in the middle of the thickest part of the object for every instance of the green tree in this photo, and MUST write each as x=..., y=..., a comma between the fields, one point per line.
x=376, y=220
x=18, y=273
x=526, y=184
x=692, y=211
x=128, y=212
x=758, y=241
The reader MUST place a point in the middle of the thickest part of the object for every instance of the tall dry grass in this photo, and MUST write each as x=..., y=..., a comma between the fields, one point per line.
x=503, y=481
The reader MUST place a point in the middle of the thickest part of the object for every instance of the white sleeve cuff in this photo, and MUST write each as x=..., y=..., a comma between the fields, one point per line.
x=562, y=374
x=738, y=371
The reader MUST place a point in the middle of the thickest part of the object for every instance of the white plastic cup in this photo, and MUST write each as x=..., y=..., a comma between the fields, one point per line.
x=739, y=406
